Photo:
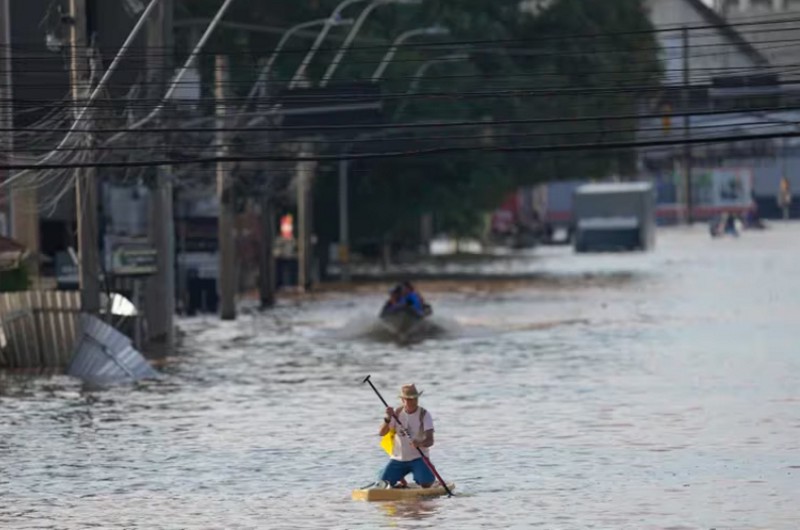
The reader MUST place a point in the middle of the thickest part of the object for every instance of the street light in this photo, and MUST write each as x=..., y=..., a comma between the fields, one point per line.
x=429, y=31
x=336, y=15
x=354, y=31
x=420, y=73
x=265, y=71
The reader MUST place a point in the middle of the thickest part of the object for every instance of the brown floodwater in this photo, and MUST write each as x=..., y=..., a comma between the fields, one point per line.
x=624, y=391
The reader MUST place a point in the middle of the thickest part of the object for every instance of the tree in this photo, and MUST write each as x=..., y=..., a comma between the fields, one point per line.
x=572, y=59
x=521, y=67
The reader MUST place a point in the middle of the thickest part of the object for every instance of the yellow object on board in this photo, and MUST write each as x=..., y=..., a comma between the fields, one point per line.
x=387, y=442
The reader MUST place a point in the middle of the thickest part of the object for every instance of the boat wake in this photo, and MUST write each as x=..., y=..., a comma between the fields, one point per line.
x=368, y=327
x=372, y=328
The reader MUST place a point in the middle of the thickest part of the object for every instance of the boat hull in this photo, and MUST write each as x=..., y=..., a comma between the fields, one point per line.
x=398, y=494
x=402, y=323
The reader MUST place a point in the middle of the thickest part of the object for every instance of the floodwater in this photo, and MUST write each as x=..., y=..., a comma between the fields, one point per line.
x=629, y=391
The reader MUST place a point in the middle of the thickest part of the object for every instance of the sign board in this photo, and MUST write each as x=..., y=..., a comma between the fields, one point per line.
x=731, y=187
x=716, y=188
x=134, y=261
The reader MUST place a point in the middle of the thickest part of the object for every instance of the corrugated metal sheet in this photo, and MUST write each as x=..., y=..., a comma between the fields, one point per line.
x=39, y=328
x=105, y=356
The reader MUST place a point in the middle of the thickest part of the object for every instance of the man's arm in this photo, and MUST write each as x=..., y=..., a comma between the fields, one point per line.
x=427, y=441
x=386, y=426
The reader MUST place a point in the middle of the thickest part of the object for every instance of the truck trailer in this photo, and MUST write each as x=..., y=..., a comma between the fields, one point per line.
x=614, y=216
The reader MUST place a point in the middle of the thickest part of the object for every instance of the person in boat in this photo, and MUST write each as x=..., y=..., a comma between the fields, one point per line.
x=414, y=300
x=730, y=225
x=724, y=225
x=395, y=302
x=753, y=221
x=414, y=433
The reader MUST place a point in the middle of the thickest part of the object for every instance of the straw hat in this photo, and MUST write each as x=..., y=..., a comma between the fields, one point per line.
x=409, y=392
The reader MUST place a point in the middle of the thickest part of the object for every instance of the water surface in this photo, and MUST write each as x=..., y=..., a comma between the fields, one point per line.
x=641, y=391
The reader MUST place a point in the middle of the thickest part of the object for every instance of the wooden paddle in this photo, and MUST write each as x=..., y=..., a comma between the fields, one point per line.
x=424, y=458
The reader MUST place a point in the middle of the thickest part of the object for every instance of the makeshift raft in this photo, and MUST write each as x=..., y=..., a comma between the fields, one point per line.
x=380, y=492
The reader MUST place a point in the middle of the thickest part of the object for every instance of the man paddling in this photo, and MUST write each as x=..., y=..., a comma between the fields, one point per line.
x=414, y=433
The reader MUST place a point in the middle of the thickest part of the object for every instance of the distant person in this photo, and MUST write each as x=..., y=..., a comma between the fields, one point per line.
x=723, y=225
x=413, y=433
x=785, y=197
x=414, y=300
x=717, y=225
x=730, y=227
x=753, y=220
x=395, y=301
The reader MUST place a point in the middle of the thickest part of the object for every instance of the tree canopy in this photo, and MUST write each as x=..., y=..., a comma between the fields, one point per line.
x=522, y=74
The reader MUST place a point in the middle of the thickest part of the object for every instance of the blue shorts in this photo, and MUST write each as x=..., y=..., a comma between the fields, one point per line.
x=396, y=470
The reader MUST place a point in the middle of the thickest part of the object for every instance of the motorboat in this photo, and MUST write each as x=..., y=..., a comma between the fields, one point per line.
x=405, y=323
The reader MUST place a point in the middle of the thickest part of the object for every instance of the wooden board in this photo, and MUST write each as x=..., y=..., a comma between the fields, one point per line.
x=396, y=494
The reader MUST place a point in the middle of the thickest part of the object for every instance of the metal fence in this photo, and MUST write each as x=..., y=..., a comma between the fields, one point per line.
x=38, y=329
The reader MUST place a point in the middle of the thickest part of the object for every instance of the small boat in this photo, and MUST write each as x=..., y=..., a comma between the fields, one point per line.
x=404, y=323
x=403, y=320
x=381, y=492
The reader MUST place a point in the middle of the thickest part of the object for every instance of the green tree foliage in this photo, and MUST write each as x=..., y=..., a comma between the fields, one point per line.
x=14, y=280
x=571, y=59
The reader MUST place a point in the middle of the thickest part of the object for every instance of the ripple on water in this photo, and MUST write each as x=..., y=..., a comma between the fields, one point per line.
x=622, y=391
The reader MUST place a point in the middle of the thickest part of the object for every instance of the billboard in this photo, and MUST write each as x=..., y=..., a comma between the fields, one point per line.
x=714, y=191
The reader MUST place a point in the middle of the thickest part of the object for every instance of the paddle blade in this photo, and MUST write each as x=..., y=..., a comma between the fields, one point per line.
x=387, y=442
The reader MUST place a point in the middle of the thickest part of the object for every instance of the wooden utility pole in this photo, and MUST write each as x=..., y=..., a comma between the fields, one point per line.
x=160, y=297
x=86, y=178
x=6, y=107
x=304, y=174
x=266, y=262
x=687, y=133
x=226, y=280
x=23, y=207
x=344, y=220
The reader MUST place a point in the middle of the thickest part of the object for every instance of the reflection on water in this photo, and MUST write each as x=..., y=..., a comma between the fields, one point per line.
x=415, y=510
x=641, y=391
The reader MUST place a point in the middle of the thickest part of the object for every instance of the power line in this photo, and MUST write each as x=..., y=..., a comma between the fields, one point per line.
x=698, y=52
x=175, y=148
x=599, y=146
x=758, y=24
x=420, y=125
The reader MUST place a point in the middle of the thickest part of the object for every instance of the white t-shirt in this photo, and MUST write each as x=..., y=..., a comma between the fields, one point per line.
x=403, y=450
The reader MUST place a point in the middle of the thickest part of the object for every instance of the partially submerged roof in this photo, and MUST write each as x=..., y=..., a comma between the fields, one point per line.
x=12, y=253
x=105, y=356
x=10, y=245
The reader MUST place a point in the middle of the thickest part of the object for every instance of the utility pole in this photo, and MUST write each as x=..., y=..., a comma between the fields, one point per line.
x=160, y=294
x=23, y=208
x=305, y=171
x=85, y=178
x=344, y=220
x=266, y=258
x=266, y=262
x=6, y=108
x=226, y=280
x=687, y=133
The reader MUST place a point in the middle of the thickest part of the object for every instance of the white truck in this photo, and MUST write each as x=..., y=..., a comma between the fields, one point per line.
x=614, y=216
